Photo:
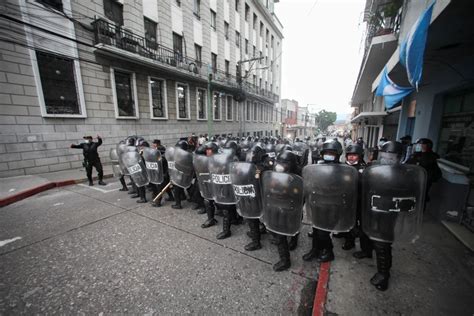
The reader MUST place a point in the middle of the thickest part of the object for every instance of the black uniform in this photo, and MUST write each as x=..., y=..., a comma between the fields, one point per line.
x=91, y=159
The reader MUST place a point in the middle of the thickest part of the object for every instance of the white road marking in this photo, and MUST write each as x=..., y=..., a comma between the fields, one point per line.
x=4, y=242
x=95, y=187
x=58, y=204
x=11, y=190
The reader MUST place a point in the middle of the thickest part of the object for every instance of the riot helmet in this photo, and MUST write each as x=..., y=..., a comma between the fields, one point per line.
x=382, y=141
x=390, y=153
x=233, y=146
x=182, y=144
x=354, y=154
x=331, y=151
x=139, y=141
x=201, y=150
x=211, y=148
x=286, y=162
x=256, y=154
x=130, y=140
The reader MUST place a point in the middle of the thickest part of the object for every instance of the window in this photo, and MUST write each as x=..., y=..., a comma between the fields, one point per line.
x=237, y=5
x=246, y=46
x=261, y=29
x=247, y=12
x=178, y=2
x=229, y=107
x=216, y=103
x=237, y=39
x=238, y=108
x=226, y=30
x=178, y=46
x=254, y=21
x=261, y=112
x=255, y=80
x=254, y=51
x=157, y=95
x=56, y=4
x=113, y=11
x=255, y=111
x=271, y=43
x=214, y=62
x=124, y=93
x=182, y=98
x=249, y=111
x=267, y=36
x=201, y=96
x=260, y=61
x=57, y=75
x=197, y=8
x=227, y=68
x=213, y=20
x=198, y=54
x=150, y=31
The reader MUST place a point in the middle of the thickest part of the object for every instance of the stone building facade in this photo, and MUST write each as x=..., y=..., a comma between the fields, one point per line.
x=154, y=68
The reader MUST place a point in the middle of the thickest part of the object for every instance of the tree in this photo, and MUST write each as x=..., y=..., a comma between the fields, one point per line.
x=324, y=119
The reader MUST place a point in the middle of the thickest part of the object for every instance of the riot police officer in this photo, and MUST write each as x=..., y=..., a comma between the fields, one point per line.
x=322, y=244
x=178, y=192
x=286, y=162
x=355, y=158
x=210, y=149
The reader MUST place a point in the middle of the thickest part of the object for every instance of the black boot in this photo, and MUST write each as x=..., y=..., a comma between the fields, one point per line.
x=142, y=194
x=314, y=252
x=124, y=185
x=211, y=221
x=102, y=182
x=91, y=183
x=255, y=235
x=383, y=251
x=225, y=226
x=326, y=254
x=284, y=254
x=366, y=247
x=293, y=242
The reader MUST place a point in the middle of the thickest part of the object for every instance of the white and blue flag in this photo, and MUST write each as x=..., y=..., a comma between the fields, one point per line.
x=412, y=49
x=391, y=92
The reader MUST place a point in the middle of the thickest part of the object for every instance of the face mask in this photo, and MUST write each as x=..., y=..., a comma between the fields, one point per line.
x=418, y=148
x=329, y=157
x=88, y=141
x=279, y=168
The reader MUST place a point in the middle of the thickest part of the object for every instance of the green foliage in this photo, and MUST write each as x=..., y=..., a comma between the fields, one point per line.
x=324, y=119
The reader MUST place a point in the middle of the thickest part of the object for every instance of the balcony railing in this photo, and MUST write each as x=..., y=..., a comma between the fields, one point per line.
x=116, y=36
x=386, y=19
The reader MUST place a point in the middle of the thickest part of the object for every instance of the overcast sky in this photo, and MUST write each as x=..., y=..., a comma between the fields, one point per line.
x=321, y=51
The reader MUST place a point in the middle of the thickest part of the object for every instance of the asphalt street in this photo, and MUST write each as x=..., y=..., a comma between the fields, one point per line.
x=95, y=250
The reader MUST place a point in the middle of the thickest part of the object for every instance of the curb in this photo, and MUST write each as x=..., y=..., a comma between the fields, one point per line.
x=321, y=289
x=41, y=188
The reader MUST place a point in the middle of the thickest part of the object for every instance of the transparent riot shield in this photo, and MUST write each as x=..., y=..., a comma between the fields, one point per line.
x=180, y=166
x=136, y=168
x=393, y=198
x=282, y=202
x=122, y=149
x=117, y=171
x=222, y=189
x=201, y=167
x=330, y=192
x=301, y=150
x=247, y=190
x=153, y=164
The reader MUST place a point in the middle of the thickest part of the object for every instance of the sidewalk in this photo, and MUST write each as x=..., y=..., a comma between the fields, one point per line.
x=14, y=189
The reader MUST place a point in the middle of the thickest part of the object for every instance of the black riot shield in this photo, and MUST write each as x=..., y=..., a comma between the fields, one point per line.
x=222, y=189
x=180, y=166
x=201, y=167
x=136, y=167
x=247, y=190
x=116, y=169
x=282, y=202
x=393, y=198
x=153, y=164
x=330, y=192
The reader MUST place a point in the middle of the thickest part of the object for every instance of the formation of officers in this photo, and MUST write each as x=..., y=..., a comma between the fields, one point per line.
x=269, y=182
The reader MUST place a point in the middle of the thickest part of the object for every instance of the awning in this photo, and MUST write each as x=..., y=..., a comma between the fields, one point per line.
x=364, y=115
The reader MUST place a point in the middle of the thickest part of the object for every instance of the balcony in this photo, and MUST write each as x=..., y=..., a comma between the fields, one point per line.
x=385, y=20
x=114, y=40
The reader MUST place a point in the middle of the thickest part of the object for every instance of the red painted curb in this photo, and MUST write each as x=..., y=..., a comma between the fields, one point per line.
x=322, y=289
x=24, y=194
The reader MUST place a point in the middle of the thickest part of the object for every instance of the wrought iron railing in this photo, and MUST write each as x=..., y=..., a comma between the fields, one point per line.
x=116, y=36
x=386, y=19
